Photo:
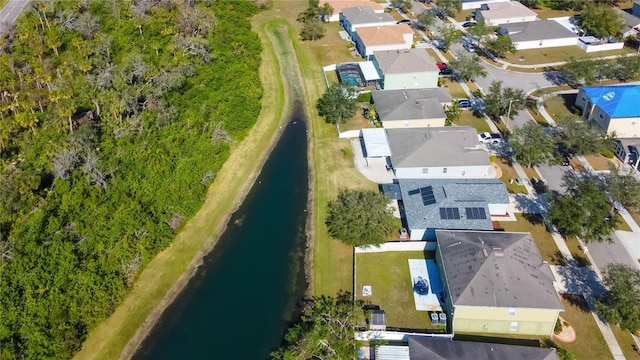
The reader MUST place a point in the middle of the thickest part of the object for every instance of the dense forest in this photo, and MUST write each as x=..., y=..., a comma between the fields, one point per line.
x=115, y=115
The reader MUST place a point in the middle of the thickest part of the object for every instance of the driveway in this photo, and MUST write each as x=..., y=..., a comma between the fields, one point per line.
x=553, y=176
x=613, y=252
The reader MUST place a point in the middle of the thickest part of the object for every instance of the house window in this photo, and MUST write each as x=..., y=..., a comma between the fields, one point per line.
x=582, y=98
x=425, y=170
x=601, y=116
x=512, y=312
x=444, y=170
x=514, y=326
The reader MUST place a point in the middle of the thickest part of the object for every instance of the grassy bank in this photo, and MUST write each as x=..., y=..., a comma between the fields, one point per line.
x=165, y=275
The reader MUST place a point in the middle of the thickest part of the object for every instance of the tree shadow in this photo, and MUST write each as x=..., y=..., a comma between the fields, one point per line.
x=577, y=301
x=533, y=219
x=497, y=340
x=555, y=77
x=581, y=280
x=558, y=258
x=525, y=203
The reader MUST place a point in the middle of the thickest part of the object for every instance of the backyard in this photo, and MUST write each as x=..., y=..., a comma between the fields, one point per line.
x=388, y=275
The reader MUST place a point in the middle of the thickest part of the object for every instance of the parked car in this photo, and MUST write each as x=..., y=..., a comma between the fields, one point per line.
x=469, y=47
x=464, y=103
x=488, y=138
x=418, y=26
x=441, y=65
x=468, y=24
x=446, y=71
x=404, y=21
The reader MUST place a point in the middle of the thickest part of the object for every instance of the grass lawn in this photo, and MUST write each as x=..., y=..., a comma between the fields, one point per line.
x=396, y=15
x=635, y=215
x=472, y=86
x=621, y=224
x=434, y=54
x=468, y=119
x=463, y=15
x=332, y=261
x=546, y=13
x=332, y=77
x=508, y=173
x=576, y=251
x=589, y=343
x=628, y=346
x=533, y=223
x=599, y=162
x=454, y=88
x=556, y=54
x=390, y=280
x=577, y=165
x=357, y=122
x=560, y=105
x=531, y=172
x=535, y=114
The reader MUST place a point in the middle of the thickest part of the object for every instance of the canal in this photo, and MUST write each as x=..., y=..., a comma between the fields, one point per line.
x=239, y=303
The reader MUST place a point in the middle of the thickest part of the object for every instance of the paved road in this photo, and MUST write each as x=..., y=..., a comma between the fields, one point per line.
x=553, y=176
x=10, y=12
x=605, y=253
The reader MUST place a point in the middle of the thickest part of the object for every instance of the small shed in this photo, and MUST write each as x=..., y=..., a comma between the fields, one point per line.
x=378, y=321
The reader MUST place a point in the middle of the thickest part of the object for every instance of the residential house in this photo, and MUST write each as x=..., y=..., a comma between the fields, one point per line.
x=506, y=12
x=614, y=108
x=414, y=108
x=438, y=153
x=406, y=69
x=421, y=347
x=339, y=5
x=496, y=282
x=627, y=151
x=631, y=23
x=380, y=38
x=363, y=16
x=451, y=204
x=476, y=4
x=538, y=34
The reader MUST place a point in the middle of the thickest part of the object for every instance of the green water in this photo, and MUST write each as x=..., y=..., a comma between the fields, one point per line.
x=239, y=303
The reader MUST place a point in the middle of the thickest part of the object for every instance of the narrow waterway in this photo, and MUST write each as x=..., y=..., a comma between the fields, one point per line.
x=239, y=303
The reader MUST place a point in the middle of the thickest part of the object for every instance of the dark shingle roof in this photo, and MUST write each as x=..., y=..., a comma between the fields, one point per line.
x=537, y=30
x=365, y=15
x=436, y=146
x=451, y=193
x=496, y=269
x=421, y=348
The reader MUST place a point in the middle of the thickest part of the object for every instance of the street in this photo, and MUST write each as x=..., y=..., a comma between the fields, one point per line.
x=10, y=12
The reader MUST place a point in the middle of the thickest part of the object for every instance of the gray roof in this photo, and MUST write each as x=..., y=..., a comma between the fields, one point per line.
x=365, y=15
x=450, y=193
x=630, y=20
x=537, y=30
x=496, y=269
x=405, y=61
x=444, y=349
x=410, y=103
x=436, y=146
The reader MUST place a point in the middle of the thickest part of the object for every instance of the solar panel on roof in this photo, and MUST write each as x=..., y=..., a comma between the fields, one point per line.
x=449, y=214
x=476, y=213
x=413, y=192
x=428, y=198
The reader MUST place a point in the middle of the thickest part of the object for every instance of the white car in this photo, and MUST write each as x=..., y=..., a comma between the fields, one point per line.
x=488, y=138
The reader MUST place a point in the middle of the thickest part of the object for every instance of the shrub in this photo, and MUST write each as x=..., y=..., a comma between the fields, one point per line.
x=347, y=152
x=608, y=154
x=364, y=97
x=558, y=328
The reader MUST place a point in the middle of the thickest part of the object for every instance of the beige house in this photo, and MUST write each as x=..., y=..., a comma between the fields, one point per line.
x=406, y=69
x=506, y=12
x=380, y=38
x=496, y=282
x=339, y=5
x=613, y=108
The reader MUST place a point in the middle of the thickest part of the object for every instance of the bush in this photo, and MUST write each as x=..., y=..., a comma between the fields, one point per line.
x=347, y=152
x=558, y=328
x=608, y=154
x=364, y=97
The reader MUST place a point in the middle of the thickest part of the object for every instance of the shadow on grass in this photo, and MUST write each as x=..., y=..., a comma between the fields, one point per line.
x=578, y=301
x=559, y=259
x=533, y=219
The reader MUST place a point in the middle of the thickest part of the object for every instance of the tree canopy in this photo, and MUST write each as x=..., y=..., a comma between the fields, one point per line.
x=624, y=186
x=583, y=138
x=114, y=119
x=326, y=330
x=481, y=30
x=312, y=30
x=501, y=46
x=584, y=210
x=603, y=20
x=338, y=104
x=426, y=18
x=450, y=7
x=468, y=66
x=503, y=101
x=360, y=217
x=531, y=145
x=620, y=305
x=450, y=35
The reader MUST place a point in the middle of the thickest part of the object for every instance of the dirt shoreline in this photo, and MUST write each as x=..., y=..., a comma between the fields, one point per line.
x=144, y=330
